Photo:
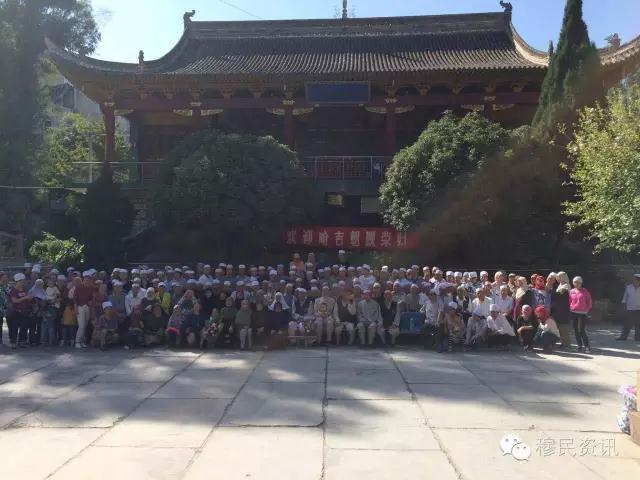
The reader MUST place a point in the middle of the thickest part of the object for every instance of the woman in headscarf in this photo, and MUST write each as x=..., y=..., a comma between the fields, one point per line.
x=560, y=308
x=522, y=297
x=539, y=292
x=174, y=326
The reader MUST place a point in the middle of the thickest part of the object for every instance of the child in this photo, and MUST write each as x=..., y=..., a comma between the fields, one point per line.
x=69, y=324
x=454, y=325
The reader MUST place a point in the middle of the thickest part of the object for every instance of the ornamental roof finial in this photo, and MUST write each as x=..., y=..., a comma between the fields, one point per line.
x=187, y=18
x=345, y=12
x=508, y=8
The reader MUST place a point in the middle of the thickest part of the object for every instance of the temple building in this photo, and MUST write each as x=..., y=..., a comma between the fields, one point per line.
x=345, y=93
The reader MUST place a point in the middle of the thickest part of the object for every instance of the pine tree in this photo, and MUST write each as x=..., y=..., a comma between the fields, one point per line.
x=573, y=79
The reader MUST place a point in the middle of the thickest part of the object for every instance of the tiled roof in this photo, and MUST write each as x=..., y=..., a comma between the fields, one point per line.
x=331, y=47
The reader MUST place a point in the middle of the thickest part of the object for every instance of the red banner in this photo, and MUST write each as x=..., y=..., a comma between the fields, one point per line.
x=358, y=238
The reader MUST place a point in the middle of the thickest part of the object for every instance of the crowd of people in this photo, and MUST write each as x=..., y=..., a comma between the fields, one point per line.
x=228, y=306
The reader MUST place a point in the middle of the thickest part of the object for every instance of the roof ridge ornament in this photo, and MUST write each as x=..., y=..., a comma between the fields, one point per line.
x=187, y=18
x=508, y=8
x=345, y=11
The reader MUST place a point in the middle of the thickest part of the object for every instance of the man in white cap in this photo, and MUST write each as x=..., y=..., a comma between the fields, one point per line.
x=369, y=317
x=366, y=279
x=476, y=330
x=106, y=327
x=134, y=298
x=499, y=330
x=206, y=278
x=631, y=301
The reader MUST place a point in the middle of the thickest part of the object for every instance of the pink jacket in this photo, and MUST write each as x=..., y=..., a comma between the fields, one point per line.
x=580, y=300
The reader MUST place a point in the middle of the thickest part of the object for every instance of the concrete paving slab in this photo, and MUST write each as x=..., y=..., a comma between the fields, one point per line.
x=366, y=381
x=533, y=390
x=34, y=385
x=373, y=413
x=291, y=369
x=35, y=453
x=93, y=405
x=145, y=369
x=277, y=404
x=204, y=384
x=388, y=437
x=478, y=456
x=13, y=408
x=260, y=453
x=166, y=423
x=439, y=372
x=227, y=361
x=388, y=465
x=98, y=463
x=470, y=406
x=560, y=416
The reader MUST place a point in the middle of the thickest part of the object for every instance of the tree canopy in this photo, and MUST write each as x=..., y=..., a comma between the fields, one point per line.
x=573, y=79
x=75, y=139
x=606, y=154
x=240, y=191
x=23, y=26
x=446, y=154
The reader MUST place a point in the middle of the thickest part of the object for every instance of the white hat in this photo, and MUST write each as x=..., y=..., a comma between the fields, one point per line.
x=453, y=305
x=106, y=305
x=192, y=281
x=36, y=269
x=227, y=284
x=28, y=265
x=636, y=275
x=240, y=284
x=61, y=277
x=150, y=290
x=86, y=274
x=414, y=267
x=215, y=281
x=135, y=271
x=494, y=308
x=242, y=266
x=19, y=276
x=484, y=273
x=162, y=284
x=341, y=252
x=457, y=275
x=207, y=266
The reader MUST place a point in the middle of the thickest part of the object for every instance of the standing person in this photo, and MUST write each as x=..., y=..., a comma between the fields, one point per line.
x=20, y=310
x=5, y=301
x=580, y=303
x=69, y=324
x=631, y=300
x=560, y=308
x=39, y=297
x=523, y=296
x=82, y=294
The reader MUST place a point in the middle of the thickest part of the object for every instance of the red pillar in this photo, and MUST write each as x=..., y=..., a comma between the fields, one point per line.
x=391, y=129
x=110, y=134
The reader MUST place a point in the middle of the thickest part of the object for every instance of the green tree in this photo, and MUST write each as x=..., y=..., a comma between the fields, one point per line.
x=445, y=156
x=59, y=252
x=105, y=218
x=75, y=139
x=573, y=79
x=23, y=26
x=240, y=191
x=606, y=154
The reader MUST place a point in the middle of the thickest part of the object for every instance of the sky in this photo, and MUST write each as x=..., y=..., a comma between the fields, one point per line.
x=155, y=26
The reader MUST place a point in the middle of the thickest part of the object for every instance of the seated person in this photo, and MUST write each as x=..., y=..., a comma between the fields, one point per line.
x=321, y=319
x=259, y=318
x=210, y=330
x=277, y=320
x=105, y=330
x=347, y=317
x=454, y=326
x=526, y=327
x=302, y=314
x=192, y=325
x=390, y=312
x=547, y=334
x=243, y=324
x=369, y=317
x=155, y=323
x=476, y=334
x=499, y=329
x=174, y=327
x=226, y=323
x=134, y=336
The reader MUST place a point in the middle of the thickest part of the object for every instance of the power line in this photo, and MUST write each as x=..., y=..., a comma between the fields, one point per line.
x=229, y=4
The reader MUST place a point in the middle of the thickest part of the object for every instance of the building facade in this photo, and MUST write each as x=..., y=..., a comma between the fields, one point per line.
x=346, y=94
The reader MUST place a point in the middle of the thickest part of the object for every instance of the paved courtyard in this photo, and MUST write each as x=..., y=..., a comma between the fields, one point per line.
x=337, y=413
